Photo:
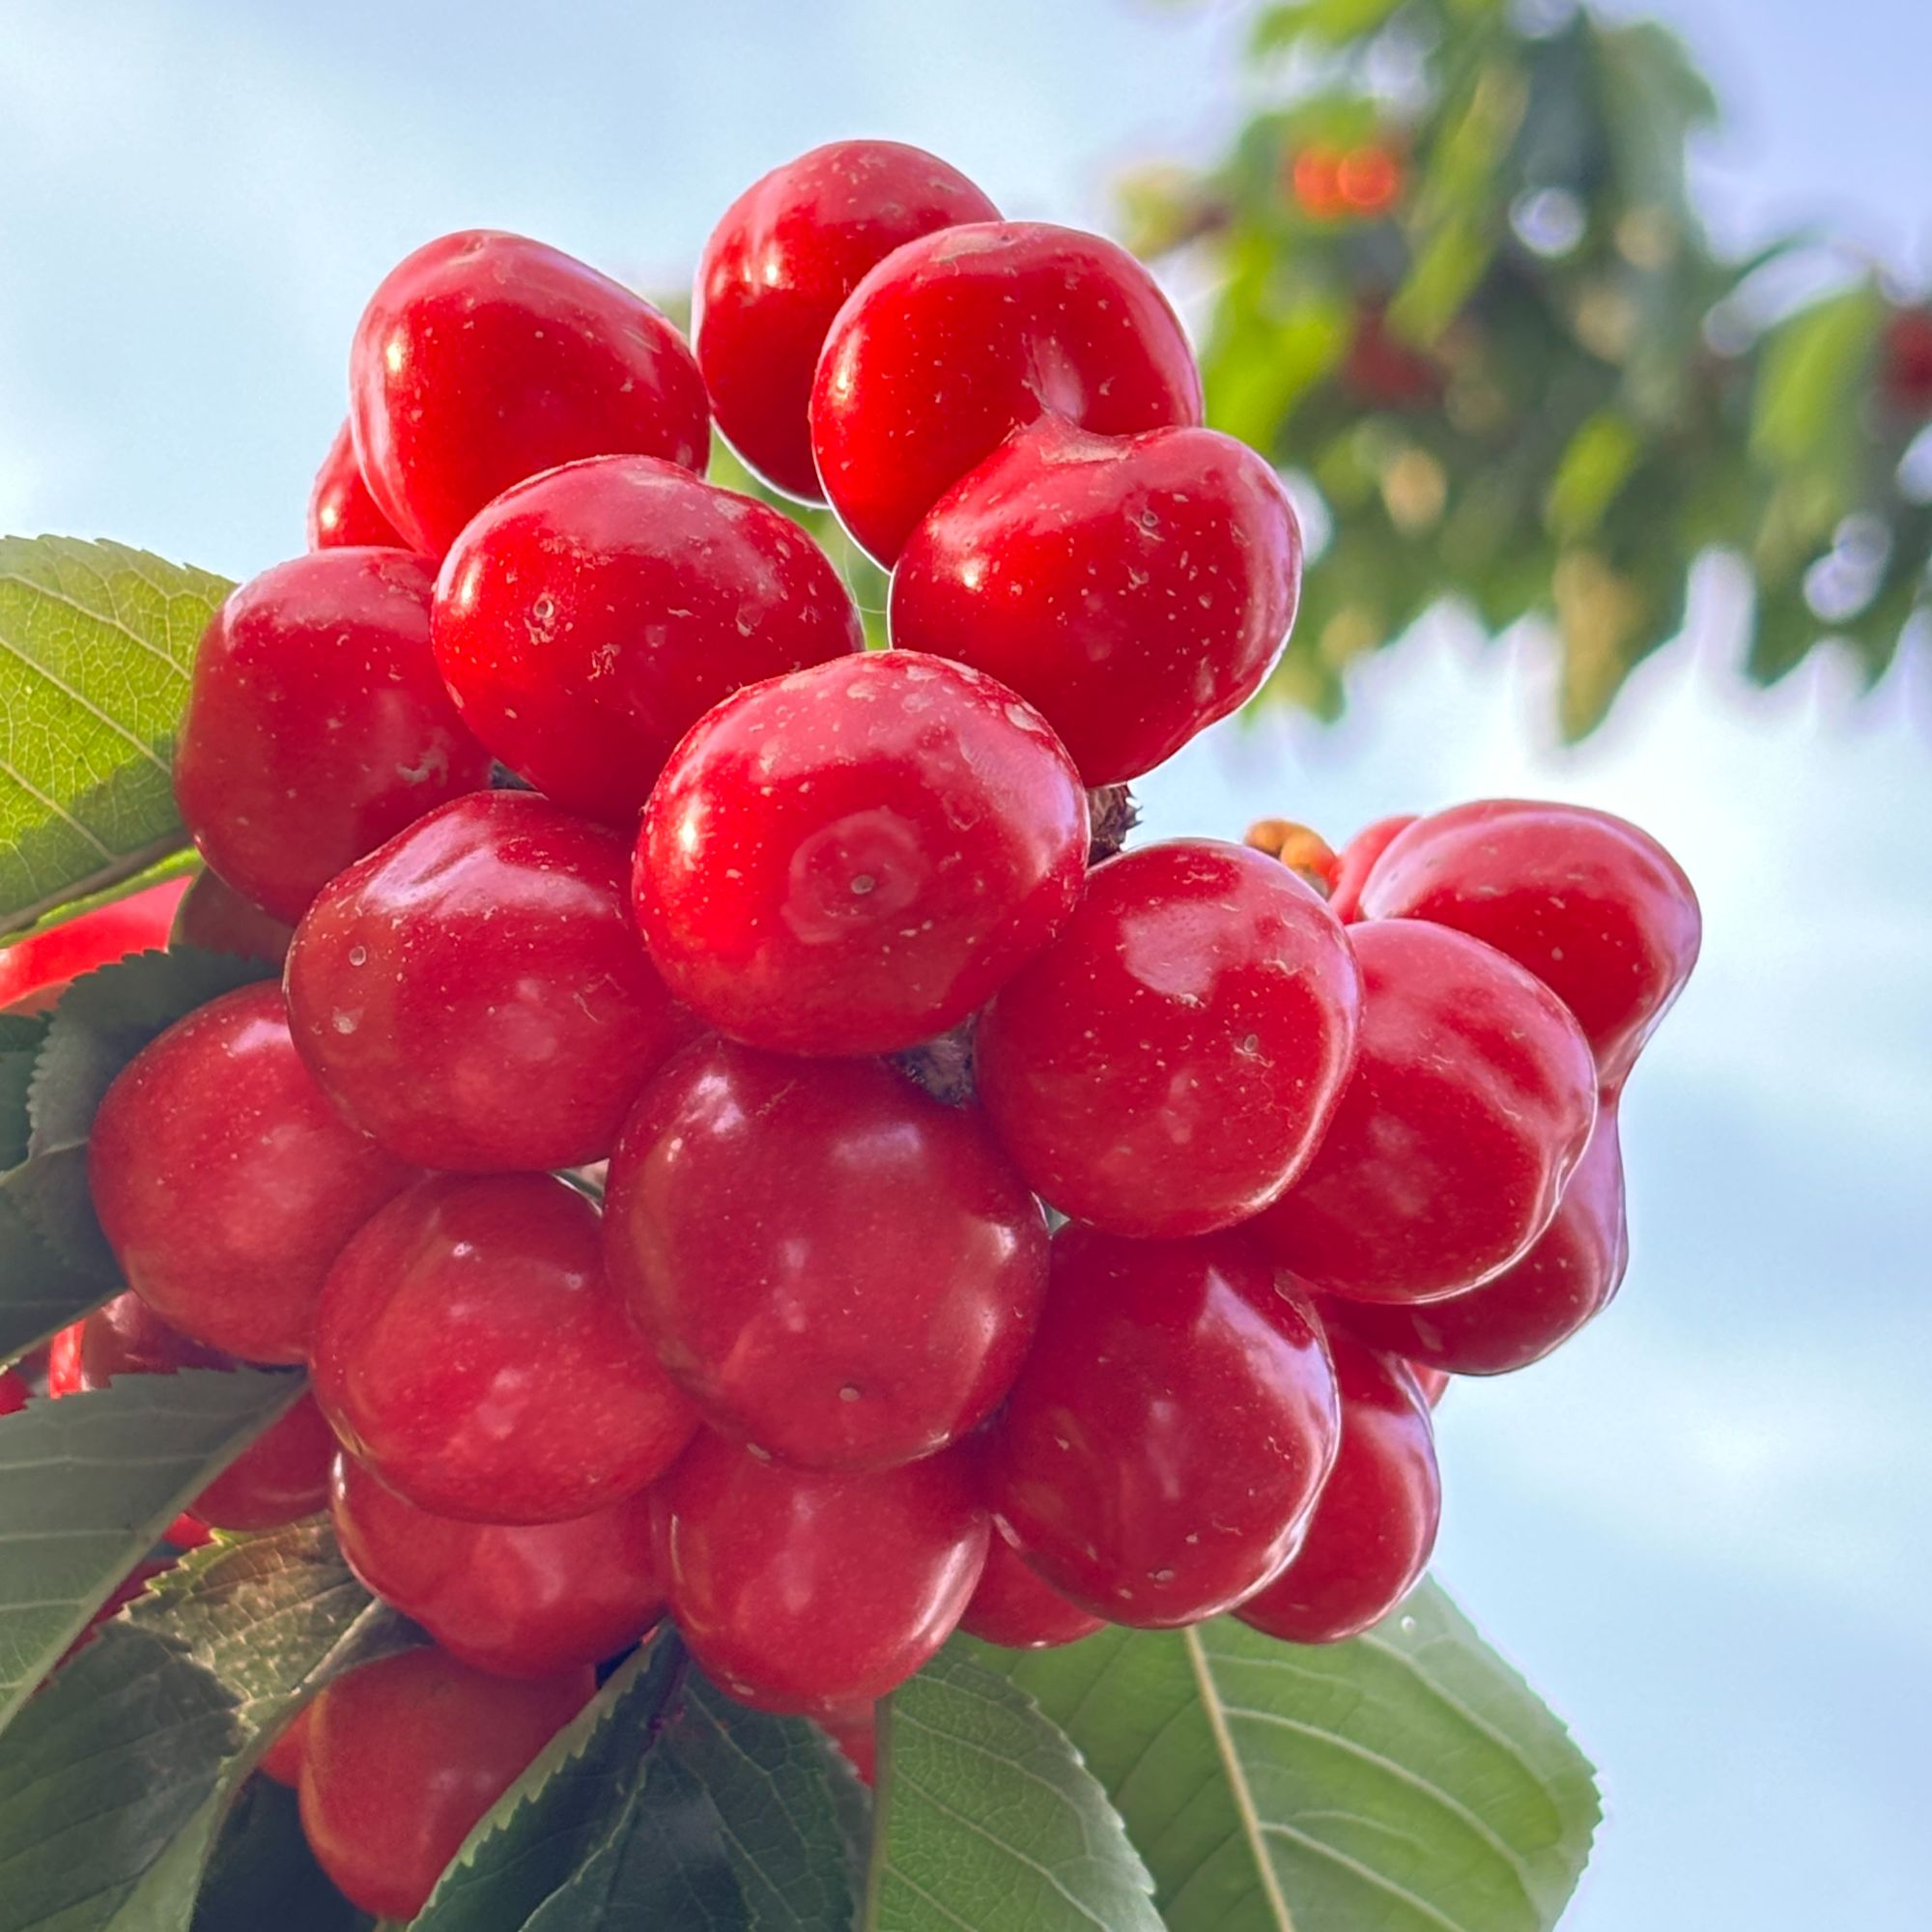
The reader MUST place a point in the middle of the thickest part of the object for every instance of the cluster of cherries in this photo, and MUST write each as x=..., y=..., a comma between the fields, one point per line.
x=998, y=1231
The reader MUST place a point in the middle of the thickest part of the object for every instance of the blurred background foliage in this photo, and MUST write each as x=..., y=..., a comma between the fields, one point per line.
x=1459, y=288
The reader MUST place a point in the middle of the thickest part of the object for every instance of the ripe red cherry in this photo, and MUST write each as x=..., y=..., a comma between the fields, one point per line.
x=402, y=1758
x=471, y=1349
x=1174, y=1421
x=282, y=1761
x=1595, y=908
x=798, y=1589
x=1471, y=1100
x=15, y=1393
x=281, y=1477
x=484, y=358
x=36, y=971
x=854, y=1730
x=340, y=508
x=777, y=269
x=1134, y=588
x=1169, y=1064
x=1373, y=1525
x=474, y=994
x=852, y=859
x=1357, y=859
x=1564, y=1281
x=1017, y=1608
x=835, y=1266
x=515, y=1600
x=227, y=1183
x=962, y=337
x=317, y=725
x=213, y=916
x=588, y=618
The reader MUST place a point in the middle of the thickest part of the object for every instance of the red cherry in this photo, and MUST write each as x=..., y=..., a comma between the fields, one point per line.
x=835, y=1266
x=15, y=1393
x=797, y=1589
x=1595, y=908
x=317, y=725
x=1564, y=1281
x=588, y=618
x=471, y=1349
x=1357, y=859
x=282, y=1761
x=404, y=1756
x=63, y=1359
x=37, y=969
x=475, y=995
x=1471, y=1103
x=1170, y=1063
x=1373, y=1525
x=341, y=511
x=852, y=859
x=1158, y=1454
x=515, y=1600
x=777, y=269
x=281, y=1477
x=1314, y=177
x=484, y=358
x=962, y=336
x=1384, y=371
x=1018, y=1610
x=854, y=1729
x=225, y=1181
x=1905, y=375
x=1134, y=588
x=213, y=916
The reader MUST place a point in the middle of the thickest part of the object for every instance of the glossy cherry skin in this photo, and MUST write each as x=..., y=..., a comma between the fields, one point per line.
x=36, y=971
x=1170, y=1063
x=799, y=1589
x=516, y=1600
x=585, y=620
x=341, y=512
x=1357, y=858
x=15, y=1393
x=214, y=917
x=1433, y=1383
x=1158, y=1454
x=282, y=1761
x=959, y=338
x=281, y=1477
x=1134, y=589
x=227, y=1183
x=474, y=993
x=854, y=857
x=1017, y=1608
x=834, y=1265
x=1566, y=1280
x=317, y=726
x=1374, y=1524
x=778, y=266
x=484, y=358
x=471, y=1349
x=1595, y=908
x=401, y=1759
x=1473, y=1097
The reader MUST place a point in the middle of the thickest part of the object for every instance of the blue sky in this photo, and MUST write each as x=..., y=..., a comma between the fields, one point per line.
x=1703, y=1530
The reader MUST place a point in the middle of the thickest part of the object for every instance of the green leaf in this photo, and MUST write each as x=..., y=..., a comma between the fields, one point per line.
x=1405, y=1781
x=1805, y=413
x=107, y=1017
x=96, y=643
x=89, y=1482
x=986, y=1817
x=263, y=1873
x=116, y=1779
x=40, y=1292
x=21, y=1040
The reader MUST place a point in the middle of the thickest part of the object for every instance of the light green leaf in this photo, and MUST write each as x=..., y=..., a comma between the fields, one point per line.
x=89, y=1482
x=116, y=1779
x=1405, y=1781
x=986, y=1817
x=96, y=643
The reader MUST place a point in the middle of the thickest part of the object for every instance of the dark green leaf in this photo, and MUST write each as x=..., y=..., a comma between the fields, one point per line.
x=116, y=1779
x=89, y=1482
x=38, y=1292
x=1406, y=1779
x=986, y=1817
x=95, y=641
x=263, y=1873
x=21, y=1039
